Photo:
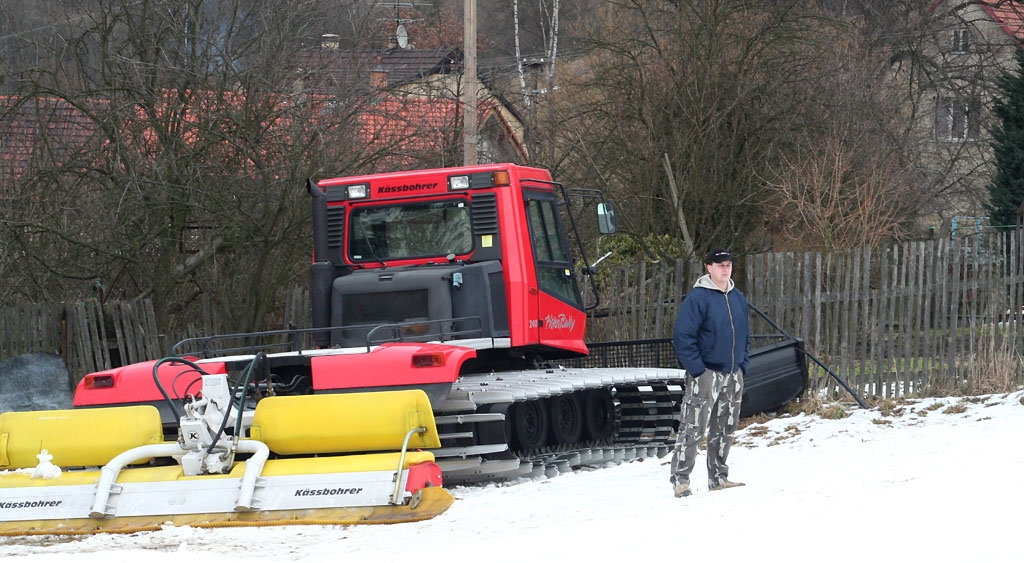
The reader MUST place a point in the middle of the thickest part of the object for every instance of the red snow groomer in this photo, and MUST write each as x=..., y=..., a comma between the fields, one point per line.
x=459, y=284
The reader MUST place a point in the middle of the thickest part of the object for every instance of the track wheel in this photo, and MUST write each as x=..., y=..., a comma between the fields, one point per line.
x=494, y=432
x=566, y=419
x=599, y=414
x=530, y=424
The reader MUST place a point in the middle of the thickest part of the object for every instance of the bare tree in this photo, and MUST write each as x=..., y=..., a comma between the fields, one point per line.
x=842, y=194
x=760, y=106
x=197, y=125
x=851, y=174
x=707, y=83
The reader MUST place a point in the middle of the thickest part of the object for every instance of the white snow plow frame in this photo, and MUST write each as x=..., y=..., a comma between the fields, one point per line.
x=227, y=481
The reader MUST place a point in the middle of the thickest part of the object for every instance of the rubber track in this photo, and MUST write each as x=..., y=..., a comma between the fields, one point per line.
x=647, y=402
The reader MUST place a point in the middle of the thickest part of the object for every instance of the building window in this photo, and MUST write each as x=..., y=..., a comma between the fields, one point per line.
x=194, y=238
x=957, y=119
x=961, y=38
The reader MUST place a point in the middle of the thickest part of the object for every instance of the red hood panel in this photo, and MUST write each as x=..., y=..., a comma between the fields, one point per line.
x=390, y=365
x=134, y=383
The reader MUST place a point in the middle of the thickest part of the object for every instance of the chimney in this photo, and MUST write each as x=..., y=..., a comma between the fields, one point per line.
x=378, y=76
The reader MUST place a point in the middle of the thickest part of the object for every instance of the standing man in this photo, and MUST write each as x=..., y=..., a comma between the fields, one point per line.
x=712, y=342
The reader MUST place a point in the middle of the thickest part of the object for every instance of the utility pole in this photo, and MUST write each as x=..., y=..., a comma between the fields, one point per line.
x=469, y=92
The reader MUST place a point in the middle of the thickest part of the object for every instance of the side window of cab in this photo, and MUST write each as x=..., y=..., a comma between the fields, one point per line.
x=550, y=248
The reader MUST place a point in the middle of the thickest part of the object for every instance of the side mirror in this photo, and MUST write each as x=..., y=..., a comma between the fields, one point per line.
x=606, y=217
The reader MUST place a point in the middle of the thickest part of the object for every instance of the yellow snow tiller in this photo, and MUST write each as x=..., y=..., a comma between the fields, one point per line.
x=307, y=459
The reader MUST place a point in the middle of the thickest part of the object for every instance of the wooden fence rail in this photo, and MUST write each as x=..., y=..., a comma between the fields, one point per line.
x=89, y=336
x=919, y=317
x=30, y=328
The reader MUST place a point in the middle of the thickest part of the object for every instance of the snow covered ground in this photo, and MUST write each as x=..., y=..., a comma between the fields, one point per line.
x=941, y=481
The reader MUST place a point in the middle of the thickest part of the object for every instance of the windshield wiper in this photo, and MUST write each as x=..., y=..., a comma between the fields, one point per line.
x=373, y=251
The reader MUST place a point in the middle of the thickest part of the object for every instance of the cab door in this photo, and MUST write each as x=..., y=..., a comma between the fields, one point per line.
x=559, y=315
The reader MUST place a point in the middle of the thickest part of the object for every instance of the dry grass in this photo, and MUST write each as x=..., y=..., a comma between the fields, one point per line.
x=762, y=434
x=888, y=410
x=835, y=411
x=997, y=369
x=831, y=410
x=757, y=431
x=958, y=408
x=755, y=427
x=890, y=406
x=815, y=406
x=757, y=419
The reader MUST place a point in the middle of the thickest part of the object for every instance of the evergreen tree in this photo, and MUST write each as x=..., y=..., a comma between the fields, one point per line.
x=1006, y=191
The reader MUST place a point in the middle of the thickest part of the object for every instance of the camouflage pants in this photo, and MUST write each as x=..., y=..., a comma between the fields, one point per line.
x=710, y=402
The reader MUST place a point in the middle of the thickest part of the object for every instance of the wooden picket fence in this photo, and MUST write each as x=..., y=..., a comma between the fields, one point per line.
x=89, y=336
x=915, y=318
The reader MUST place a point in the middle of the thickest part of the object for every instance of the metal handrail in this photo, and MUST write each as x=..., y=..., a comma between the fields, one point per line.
x=401, y=463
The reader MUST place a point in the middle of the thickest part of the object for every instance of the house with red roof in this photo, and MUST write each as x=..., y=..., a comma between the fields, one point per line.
x=417, y=94
x=1008, y=15
x=948, y=71
x=407, y=103
x=975, y=43
x=26, y=127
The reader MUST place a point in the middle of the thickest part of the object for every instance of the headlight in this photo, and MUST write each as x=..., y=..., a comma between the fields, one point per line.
x=358, y=191
x=458, y=182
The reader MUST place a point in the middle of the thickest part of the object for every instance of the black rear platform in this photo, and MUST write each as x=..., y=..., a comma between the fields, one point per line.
x=777, y=375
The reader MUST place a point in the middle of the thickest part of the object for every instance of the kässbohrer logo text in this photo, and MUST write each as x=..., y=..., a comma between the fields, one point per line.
x=406, y=188
x=327, y=492
x=31, y=504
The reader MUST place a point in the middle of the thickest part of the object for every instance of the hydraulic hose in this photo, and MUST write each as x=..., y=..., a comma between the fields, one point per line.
x=259, y=358
x=160, y=386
